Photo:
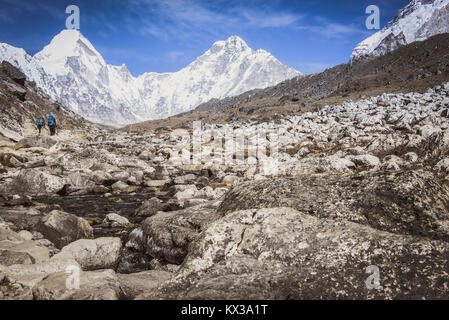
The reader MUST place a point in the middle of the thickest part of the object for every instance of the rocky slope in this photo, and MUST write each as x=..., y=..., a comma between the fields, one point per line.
x=351, y=186
x=418, y=21
x=22, y=102
x=74, y=73
x=412, y=68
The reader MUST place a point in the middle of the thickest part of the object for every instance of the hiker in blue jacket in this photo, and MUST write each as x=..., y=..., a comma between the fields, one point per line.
x=40, y=124
x=51, y=121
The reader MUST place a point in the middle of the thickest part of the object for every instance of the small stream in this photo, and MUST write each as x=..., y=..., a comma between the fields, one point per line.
x=95, y=207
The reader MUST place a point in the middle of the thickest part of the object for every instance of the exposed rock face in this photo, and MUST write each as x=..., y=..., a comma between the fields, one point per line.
x=62, y=228
x=281, y=253
x=16, y=90
x=14, y=73
x=410, y=202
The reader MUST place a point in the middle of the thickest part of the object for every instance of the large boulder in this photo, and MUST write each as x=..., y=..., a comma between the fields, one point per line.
x=165, y=237
x=35, y=182
x=168, y=234
x=62, y=228
x=93, y=285
x=282, y=253
x=100, y=253
x=405, y=202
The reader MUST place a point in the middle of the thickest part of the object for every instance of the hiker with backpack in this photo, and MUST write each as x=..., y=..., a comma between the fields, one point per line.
x=40, y=124
x=51, y=121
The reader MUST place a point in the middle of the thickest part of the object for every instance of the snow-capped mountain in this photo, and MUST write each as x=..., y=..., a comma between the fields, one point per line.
x=418, y=21
x=74, y=73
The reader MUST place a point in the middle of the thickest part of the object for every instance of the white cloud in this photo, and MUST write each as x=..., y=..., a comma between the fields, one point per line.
x=189, y=18
x=329, y=29
x=263, y=20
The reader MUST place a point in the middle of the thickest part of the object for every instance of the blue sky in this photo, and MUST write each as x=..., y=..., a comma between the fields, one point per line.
x=166, y=35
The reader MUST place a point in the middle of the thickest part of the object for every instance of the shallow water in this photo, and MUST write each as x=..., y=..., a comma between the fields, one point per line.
x=95, y=207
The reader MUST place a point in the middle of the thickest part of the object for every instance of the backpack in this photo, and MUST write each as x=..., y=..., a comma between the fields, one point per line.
x=40, y=122
x=51, y=121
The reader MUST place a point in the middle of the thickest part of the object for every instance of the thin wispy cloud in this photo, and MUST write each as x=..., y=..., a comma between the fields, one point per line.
x=188, y=19
x=329, y=29
x=262, y=20
x=13, y=8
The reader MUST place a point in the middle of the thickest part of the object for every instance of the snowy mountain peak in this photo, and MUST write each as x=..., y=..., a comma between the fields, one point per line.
x=67, y=44
x=72, y=72
x=233, y=44
x=236, y=42
x=419, y=20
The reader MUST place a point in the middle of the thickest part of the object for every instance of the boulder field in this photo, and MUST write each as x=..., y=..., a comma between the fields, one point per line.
x=352, y=202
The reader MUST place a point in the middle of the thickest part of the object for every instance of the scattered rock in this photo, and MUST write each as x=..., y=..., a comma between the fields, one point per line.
x=120, y=186
x=114, y=220
x=37, y=142
x=443, y=166
x=100, y=253
x=34, y=182
x=62, y=228
x=149, y=207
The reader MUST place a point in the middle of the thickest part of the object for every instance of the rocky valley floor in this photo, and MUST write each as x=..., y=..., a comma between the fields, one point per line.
x=357, y=185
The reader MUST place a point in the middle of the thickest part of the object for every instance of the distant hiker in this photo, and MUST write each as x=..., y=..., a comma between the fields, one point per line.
x=51, y=121
x=40, y=124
